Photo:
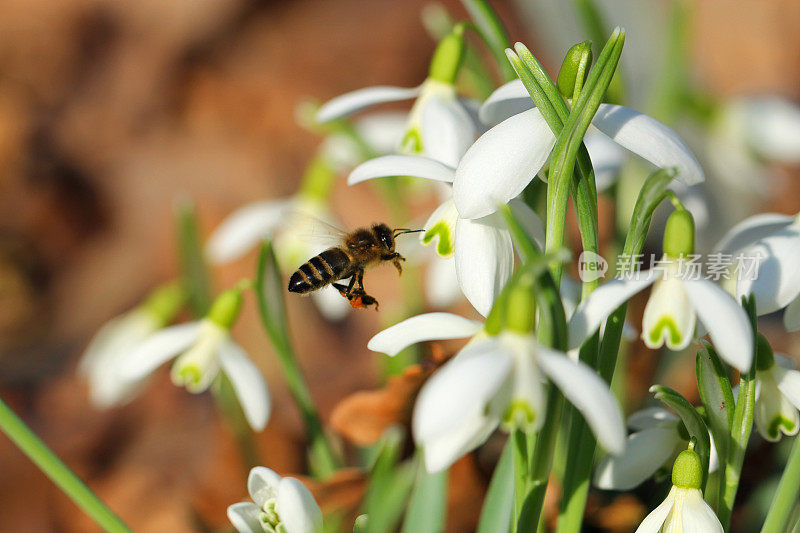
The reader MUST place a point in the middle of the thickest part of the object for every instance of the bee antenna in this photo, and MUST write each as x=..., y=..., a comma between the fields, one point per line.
x=403, y=231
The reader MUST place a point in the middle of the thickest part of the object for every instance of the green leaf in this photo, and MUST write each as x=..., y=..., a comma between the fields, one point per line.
x=194, y=270
x=498, y=506
x=269, y=292
x=492, y=32
x=427, y=508
x=596, y=29
x=694, y=423
x=650, y=196
x=389, y=485
x=717, y=395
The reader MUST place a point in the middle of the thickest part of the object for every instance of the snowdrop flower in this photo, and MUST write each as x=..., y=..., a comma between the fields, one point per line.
x=201, y=350
x=777, y=393
x=658, y=437
x=482, y=248
x=749, y=131
x=684, y=508
x=118, y=338
x=494, y=380
x=771, y=242
x=679, y=297
x=516, y=149
x=440, y=125
x=281, y=505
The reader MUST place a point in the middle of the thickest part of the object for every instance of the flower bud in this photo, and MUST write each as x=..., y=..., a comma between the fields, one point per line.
x=765, y=359
x=687, y=472
x=679, y=234
x=574, y=69
x=448, y=56
x=164, y=303
x=226, y=308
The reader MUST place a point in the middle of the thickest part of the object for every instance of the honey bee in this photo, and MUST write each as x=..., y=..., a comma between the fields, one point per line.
x=358, y=251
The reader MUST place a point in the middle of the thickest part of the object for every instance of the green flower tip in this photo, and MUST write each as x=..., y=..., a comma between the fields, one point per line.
x=226, y=308
x=679, y=234
x=764, y=356
x=519, y=415
x=520, y=308
x=448, y=56
x=441, y=230
x=164, y=303
x=574, y=69
x=687, y=472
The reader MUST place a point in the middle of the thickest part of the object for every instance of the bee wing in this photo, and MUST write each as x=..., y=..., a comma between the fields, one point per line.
x=318, y=232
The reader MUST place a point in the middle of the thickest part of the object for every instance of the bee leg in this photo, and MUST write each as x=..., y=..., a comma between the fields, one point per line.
x=396, y=260
x=358, y=297
x=343, y=289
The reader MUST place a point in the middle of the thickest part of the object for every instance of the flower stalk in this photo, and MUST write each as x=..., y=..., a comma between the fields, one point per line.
x=785, y=500
x=47, y=461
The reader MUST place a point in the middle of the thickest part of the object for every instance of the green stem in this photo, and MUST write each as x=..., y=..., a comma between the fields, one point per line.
x=740, y=432
x=493, y=32
x=57, y=471
x=521, y=473
x=786, y=497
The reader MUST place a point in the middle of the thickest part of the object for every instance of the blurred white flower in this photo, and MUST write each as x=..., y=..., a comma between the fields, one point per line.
x=516, y=149
x=118, y=338
x=658, y=437
x=482, y=249
x=777, y=398
x=281, y=505
x=678, y=299
x=201, y=350
x=684, y=509
x=440, y=125
x=772, y=241
x=494, y=380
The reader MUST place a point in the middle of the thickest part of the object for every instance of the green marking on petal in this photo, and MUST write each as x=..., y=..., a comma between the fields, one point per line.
x=672, y=330
x=519, y=415
x=445, y=245
x=188, y=375
x=412, y=142
x=778, y=424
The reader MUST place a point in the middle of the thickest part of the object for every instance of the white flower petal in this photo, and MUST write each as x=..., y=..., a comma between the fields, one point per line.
x=529, y=220
x=668, y=316
x=607, y=158
x=245, y=517
x=727, y=323
x=772, y=126
x=651, y=417
x=447, y=130
x=645, y=452
x=159, y=348
x=653, y=522
x=791, y=317
x=248, y=383
x=484, y=260
x=441, y=287
x=602, y=302
x=697, y=515
x=788, y=382
x=777, y=280
x=351, y=102
x=751, y=230
x=420, y=328
x=401, y=165
x=650, y=139
x=331, y=304
x=451, y=408
x=507, y=100
x=298, y=511
x=501, y=163
x=262, y=484
x=382, y=131
x=441, y=227
x=774, y=413
x=243, y=229
x=587, y=391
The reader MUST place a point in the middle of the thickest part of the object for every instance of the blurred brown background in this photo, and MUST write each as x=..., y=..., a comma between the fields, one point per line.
x=109, y=111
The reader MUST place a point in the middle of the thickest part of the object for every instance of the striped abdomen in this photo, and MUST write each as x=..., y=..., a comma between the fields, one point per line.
x=329, y=266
